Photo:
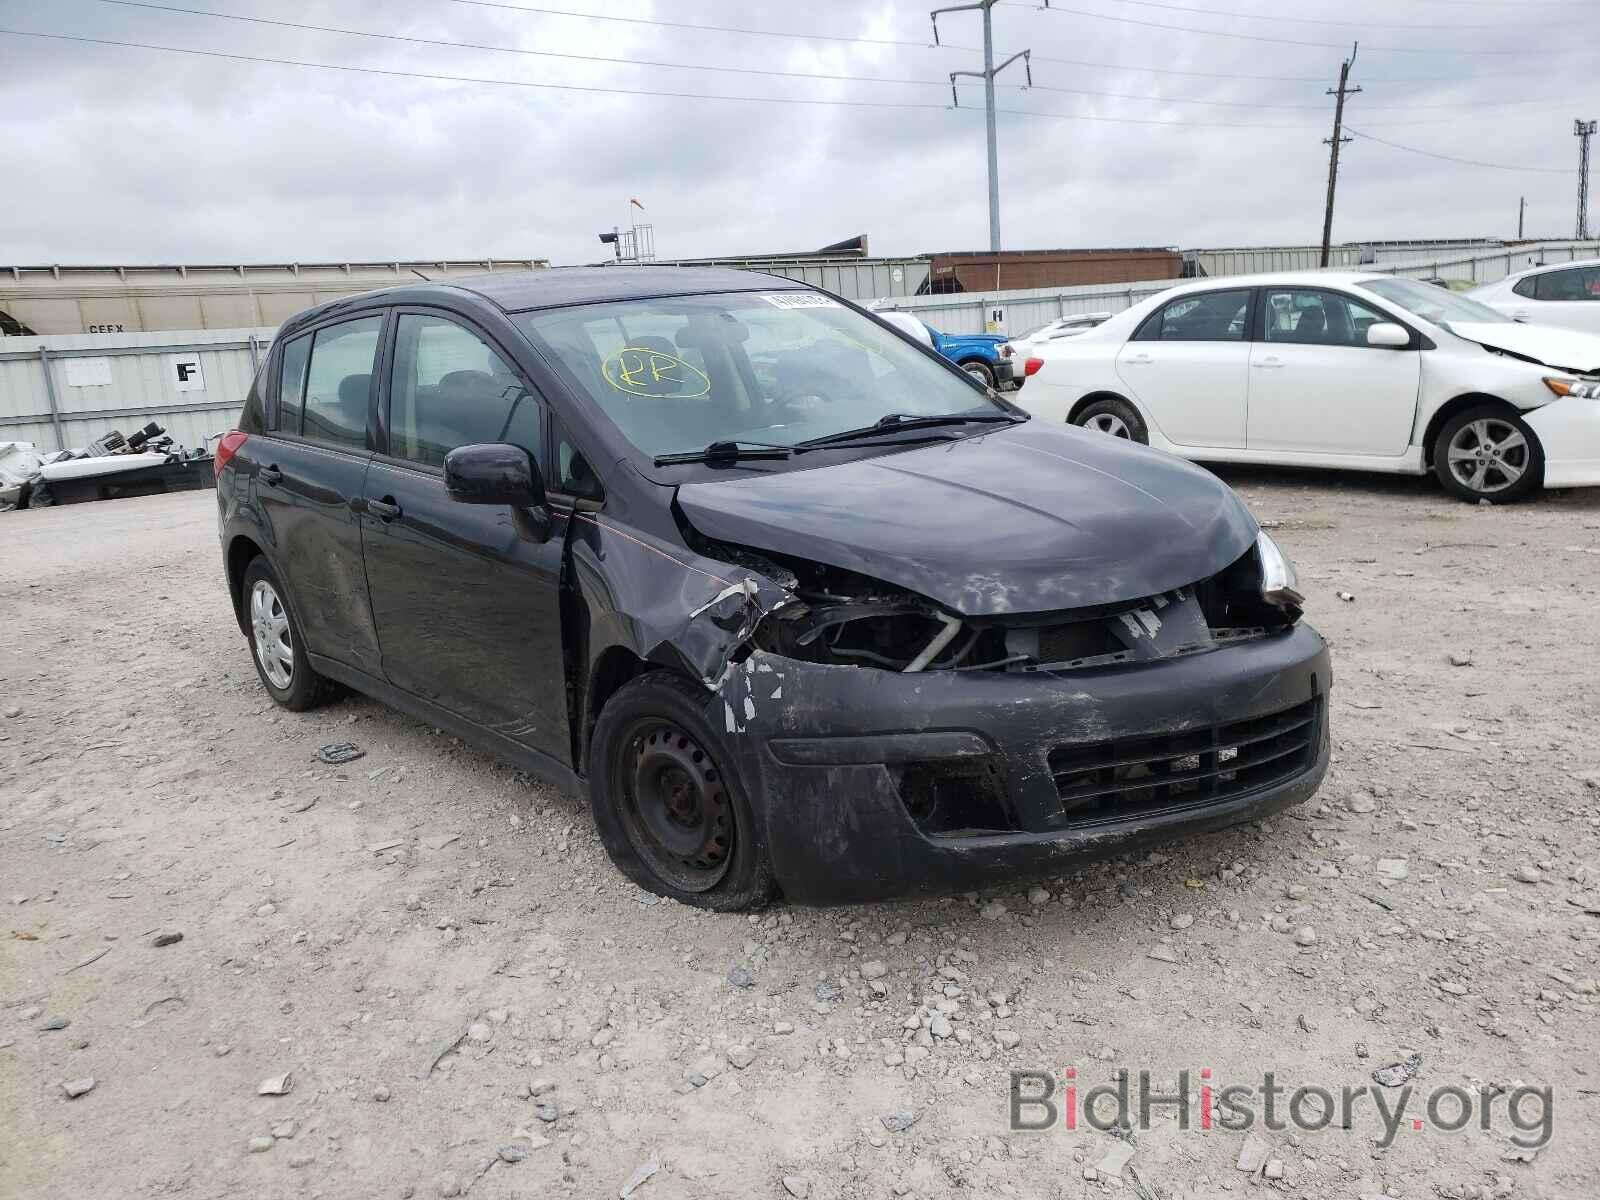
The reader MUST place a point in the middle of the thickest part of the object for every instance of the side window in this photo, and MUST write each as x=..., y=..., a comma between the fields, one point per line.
x=573, y=474
x=1528, y=287
x=1578, y=283
x=450, y=389
x=292, y=385
x=1313, y=318
x=1208, y=317
x=339, y=382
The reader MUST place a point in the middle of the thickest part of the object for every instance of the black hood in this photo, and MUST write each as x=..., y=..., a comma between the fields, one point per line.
x=1029, y=518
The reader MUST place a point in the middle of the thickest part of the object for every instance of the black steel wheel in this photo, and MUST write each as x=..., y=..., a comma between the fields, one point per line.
x=667, y=801
x=674, y=805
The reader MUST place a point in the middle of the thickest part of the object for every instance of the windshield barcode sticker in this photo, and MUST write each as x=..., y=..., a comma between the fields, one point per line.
x=799, y=300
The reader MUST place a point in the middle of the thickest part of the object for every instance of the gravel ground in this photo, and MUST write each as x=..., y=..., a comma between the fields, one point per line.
x=466, y=997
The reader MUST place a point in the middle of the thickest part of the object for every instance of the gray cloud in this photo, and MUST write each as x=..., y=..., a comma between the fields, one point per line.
x=135, y=156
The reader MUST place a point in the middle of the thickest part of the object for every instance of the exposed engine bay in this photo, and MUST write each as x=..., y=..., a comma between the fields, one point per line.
x=840, y=617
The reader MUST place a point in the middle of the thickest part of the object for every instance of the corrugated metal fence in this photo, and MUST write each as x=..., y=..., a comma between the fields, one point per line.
x=1029, y=309
x=66, y=391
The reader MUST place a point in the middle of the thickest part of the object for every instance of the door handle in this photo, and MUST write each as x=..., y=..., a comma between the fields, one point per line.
x=1140, y=359
x=1268, y=364
x=271, y=476
x=1521, y=314
x=385, y=510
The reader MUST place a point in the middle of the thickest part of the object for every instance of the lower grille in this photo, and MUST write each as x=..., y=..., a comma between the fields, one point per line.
x=1133, y=777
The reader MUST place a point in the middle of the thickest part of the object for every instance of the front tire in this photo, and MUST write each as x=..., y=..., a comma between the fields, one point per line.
x=276, y=645
x=668, y=803
x=1115, y=417
x=980, y=371
x=1488, y=453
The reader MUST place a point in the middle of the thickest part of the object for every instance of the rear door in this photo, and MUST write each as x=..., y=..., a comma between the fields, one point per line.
x=310, y=465
x=1569, y=298
x=1188, y=366
x=467, y=606
x=1315, y=384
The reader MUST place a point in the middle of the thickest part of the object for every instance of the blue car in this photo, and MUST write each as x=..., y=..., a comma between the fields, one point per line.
x=985, y=356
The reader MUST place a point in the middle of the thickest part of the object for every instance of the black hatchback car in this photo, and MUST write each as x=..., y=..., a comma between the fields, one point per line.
x=799, y=603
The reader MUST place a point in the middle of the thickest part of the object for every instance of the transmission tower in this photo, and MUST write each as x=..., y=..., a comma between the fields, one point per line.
x=1583, y=131
x=987, y=75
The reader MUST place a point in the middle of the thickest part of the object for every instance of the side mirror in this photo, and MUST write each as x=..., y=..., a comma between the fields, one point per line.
x=500, y=473
x=1388, y=335
x=493, y=473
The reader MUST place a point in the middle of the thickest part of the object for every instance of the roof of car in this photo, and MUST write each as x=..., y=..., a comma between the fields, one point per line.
x=517, y=290
x=1555, y=266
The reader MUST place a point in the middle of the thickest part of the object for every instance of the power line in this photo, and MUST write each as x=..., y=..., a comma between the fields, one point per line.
x=540, y=10
x=1261, y=37
x=435, y=77
x=410, y=39
x=1469, y=162
x=615, y=91
x=1260, y=16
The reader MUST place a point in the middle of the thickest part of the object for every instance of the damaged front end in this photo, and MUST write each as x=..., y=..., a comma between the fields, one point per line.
x=843, y=618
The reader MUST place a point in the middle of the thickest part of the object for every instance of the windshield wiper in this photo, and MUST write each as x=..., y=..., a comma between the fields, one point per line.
x=895, y=422
x=725, y=453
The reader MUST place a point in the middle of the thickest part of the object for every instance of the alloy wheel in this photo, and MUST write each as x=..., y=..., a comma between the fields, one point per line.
x=1488, y=455
x=273, y=639
x=1109, y=423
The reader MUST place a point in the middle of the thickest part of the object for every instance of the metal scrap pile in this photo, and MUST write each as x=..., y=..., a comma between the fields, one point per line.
x=113, y=465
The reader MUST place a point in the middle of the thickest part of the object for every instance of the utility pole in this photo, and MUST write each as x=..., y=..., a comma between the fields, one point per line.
x=1583, y=131
x=987, y=75
x=1336, y=141
x=1522, y=211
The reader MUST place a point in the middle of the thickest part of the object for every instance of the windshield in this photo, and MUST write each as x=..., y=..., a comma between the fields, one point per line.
x=676, y=374
x=1433, y=303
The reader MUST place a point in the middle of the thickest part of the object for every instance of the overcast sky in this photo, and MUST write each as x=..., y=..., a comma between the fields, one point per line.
x=123, y=155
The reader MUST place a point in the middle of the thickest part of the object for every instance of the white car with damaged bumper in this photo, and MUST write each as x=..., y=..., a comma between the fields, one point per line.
x=1337, y=369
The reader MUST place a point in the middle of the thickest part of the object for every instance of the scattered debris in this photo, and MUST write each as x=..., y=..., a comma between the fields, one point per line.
x=84, y=962
x=167, y=937
x=339, y=753
x=740, y=977
x=78, y=1087
x=899, y=1122
x=1398, y=1073
x=1253, y=1154
x=641, y=1174
x=276, y=1085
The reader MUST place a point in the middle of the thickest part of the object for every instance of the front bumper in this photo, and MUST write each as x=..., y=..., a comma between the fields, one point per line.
x=840, y=762
x=1569, y=434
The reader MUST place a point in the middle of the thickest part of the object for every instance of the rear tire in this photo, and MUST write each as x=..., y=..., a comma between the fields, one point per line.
x=1115, y=417
x=1488, y=453
x=979, y=370
x=276, y=645
x=669, y=805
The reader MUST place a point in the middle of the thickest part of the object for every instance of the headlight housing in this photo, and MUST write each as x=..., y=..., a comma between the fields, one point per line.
x=1583, y=389
x=1279, y=585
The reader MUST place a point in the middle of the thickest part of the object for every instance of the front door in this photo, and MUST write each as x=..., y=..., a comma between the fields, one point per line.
x=1188, y=366
x=467, y=606
x=1317, y=387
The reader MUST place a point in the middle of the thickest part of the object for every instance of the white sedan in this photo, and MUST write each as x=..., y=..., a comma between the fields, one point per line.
x=1564, y=294
x=1337, y=369
x=1061, y=327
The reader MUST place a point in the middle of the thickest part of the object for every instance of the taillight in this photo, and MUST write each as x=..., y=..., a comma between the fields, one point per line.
x=1031, y=367
x=226, y=449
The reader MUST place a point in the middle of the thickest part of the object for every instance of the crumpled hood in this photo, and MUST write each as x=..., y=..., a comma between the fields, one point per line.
x=1563, y=349
x=1029, y=518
